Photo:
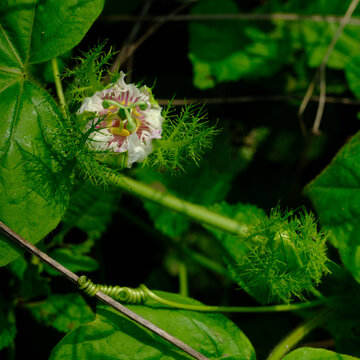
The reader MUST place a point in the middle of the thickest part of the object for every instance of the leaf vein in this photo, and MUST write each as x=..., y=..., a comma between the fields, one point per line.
x=12, y=48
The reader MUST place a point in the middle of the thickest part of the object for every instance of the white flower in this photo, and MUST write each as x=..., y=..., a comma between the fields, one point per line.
x=127, y=119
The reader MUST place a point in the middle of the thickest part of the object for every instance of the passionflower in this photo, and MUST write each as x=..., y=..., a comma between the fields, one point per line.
x=126, y=120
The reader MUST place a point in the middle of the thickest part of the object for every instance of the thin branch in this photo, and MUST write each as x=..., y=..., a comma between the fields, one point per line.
x=99, y=295
x=246, y=99
x=130, y=39
x=212, y=17
x=321, y=72
x=133, y=47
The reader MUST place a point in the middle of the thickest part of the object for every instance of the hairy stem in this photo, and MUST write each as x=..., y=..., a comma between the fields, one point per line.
x=58, y=86
x=299, y=333
x=196, y=212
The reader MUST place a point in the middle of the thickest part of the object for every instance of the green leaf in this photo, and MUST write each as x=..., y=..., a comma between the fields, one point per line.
x=113, y=336
x=238, y=49
x=229, y=50
x=353, y=75
x=316, y=354
x=335, y=194
x=18, y=267
x=73, y=260
x=234, y=246
x=33, y=285
x=33, y=185
x=41, y=30
x=91, y=209
x=343, y=324
x=63, y=312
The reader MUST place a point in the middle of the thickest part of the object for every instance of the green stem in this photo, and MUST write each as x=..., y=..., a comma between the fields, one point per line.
x=228, y=309
x=58, y=86
x=141, y=294
x=183, y=279
x=196, y=212
x=299, y=333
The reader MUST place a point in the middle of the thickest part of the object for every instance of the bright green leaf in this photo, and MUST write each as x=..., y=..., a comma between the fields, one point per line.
x=113, y=336
x=33, y=185
x=63, y=312
x=38, y=31
x=316, y=354
x=335, y=194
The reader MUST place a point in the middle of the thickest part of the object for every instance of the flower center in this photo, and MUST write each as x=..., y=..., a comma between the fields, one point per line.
x=123, y=119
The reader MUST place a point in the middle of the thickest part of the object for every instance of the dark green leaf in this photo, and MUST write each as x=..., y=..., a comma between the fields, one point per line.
x=18, y=267
x=234, y=246
x=227, y=50
x=63, y=312
x=72, y=260
x=33, y=285
x=316, y=354
x=113, y=336
x=235, y=49
x=205, y=184
x=91, y=209
x=335, y=194
x=7, y=326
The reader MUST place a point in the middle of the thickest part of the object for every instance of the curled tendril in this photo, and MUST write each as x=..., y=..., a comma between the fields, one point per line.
x=119, y=293
x=142, y=294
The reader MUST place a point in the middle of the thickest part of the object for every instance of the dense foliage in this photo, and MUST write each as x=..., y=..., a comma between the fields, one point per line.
x=240, y=204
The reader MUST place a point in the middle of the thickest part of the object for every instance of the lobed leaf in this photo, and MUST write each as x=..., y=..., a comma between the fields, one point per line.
x=34, y=187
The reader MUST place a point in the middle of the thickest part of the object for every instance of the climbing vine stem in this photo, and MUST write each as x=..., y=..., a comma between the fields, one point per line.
x=58, y=86
x=196, y=212
x=142, y=294
x=18, y=240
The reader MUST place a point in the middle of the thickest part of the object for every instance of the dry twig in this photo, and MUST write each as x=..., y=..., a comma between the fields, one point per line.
x=17, y=239
x=320, y=74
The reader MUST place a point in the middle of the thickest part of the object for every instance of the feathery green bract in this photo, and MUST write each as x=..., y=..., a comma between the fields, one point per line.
x=185, y=137
x=286, y=257
x=88, y=74
x=283, y=256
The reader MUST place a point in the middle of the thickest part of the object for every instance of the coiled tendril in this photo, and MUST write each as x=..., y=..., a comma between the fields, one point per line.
x=123, y=294
x=142, y=294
